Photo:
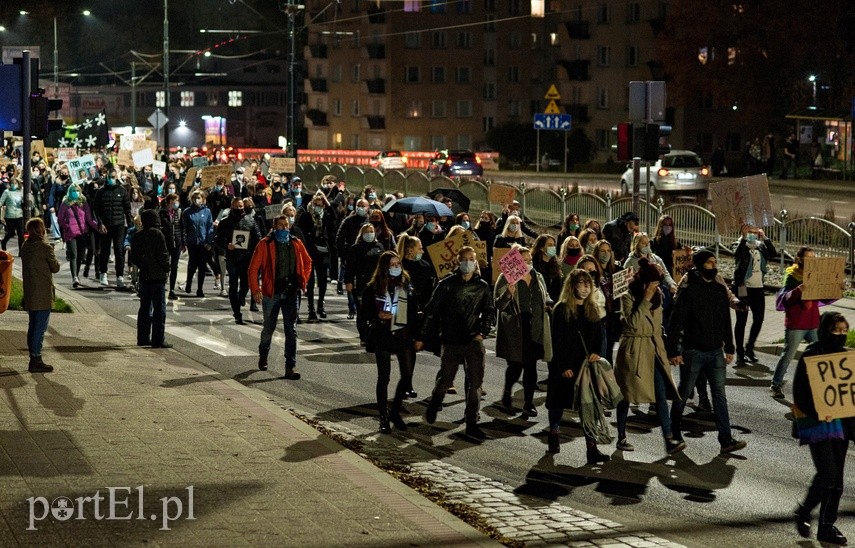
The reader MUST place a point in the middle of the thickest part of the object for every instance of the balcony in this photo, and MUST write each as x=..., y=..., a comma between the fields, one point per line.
x=376, y=15
x=375, y=51
x=375, y=122
x=578, y=30
x=577, y=70
x=317, y=117
x=319, y=85
x=376, y=85
x=317, y=51
x=578, y=112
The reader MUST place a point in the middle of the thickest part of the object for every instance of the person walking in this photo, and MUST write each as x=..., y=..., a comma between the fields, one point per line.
x=75, y=220
x=346, y=235
x=752, y=255
x=641, y=366
x=38, y=264
x=828, y=440
x=422, y=277
x=545, y=261
x=619, y=233
x=239, y=248
x=523, y=332
x=361, y=263
x=112, y=208
x=170, y=225
x=318, y=226
x=391, y=311
x=700, y=341
x=460, y=314
x=151, y=256
x=12, y=213
x=198, y=227
x=283, y=265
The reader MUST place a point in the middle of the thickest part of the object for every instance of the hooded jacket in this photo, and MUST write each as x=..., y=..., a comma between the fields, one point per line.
x=148, y=250
x=459, y=310
x=701, y=317
x=799, y=314
x=75, y=219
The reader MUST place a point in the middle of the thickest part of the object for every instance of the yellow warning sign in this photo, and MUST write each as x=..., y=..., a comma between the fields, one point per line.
x=552, y=93
x=552, y=108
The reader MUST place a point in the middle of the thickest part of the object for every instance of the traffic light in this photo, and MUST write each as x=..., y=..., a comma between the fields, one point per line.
x=624, y=142
x=645, y=139
x=40, y=109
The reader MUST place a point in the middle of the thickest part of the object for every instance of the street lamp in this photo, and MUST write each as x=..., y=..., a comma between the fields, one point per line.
x=86, y=13
x=812, y=80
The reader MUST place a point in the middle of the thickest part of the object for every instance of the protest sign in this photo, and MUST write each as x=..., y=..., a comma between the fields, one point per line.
x=513, y=266
x=682, y=263
x=142, y=158
x=200, y=161
x=498, y=253
x=282, y=165
x=824, y=278
x=443, y=255
x=37, y=145
x=620, y=282
x=66, y=154
x=158, y=168
x=501, y=194
x=240, y=239
x=741, y=201
x=190, y=177
x=211, y=173
x=78, y=168
x=126, y=142
x=273, y=211
x=832, y=383
x=470, y=239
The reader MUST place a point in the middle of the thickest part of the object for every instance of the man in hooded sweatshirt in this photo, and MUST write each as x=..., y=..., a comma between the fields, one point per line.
x=149, y=253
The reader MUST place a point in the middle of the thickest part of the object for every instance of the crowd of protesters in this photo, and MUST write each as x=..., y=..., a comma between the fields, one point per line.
x=270, y=240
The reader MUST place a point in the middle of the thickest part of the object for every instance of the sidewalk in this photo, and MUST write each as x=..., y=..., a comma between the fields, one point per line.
x=219, y=464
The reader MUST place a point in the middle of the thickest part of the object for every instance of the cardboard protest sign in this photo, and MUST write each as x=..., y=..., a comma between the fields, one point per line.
x=200, y=161
x=824, y=278
x=273, y=211
x=501, y=194
x=66, y=154
x=443, y=255
x=211, y=173
x=124, y=158
x=832, y=383
x=190, y=177
x=620, y=282
x=741, y=201
x=513, y=266
x=282, y=165
x=37, y=145
x=142, y=158
x=240, y=239
x=126, y=142
x=158, y=168
x=78, y=168
x=682, y=263
x=470, y=239
x=498, y=253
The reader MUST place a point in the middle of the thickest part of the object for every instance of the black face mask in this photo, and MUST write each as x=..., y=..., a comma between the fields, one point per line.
x=836, y=341
x=237, y=212
x=573, y=251
x=710, y=273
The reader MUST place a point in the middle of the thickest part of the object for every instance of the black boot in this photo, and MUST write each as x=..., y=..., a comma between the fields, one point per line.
x=553, y=443
x=39, y=366
x=507, y=401
x=395, y=417
x=831, y=535
x=595, y=456
x=802, y=517
x=321, y=312
x=384, y=423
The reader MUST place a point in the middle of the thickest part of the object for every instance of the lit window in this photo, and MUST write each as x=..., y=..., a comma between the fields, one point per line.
x=414, y=110
x=160, y=99
x=703, y=56
x=188, y=99
x=235, y=98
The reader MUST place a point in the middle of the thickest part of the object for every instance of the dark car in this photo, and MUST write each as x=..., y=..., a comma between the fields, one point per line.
x=456, y=163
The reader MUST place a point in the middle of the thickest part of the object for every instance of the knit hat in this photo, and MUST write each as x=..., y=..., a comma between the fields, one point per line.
x=647, y=272
x=702, y=256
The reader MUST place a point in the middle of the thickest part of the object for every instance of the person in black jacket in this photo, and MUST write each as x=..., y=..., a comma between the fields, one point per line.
x=112, y=207
x=422, y=276
x=238, y=235
x=170, y=225
x=514, y=209
x=701, y=322
x=461, y=313
x=361, y=263
x=752, y=253
x=318, y=226
x=149, y=253
x=619, y=233
x=828, y=440
x=346, y=235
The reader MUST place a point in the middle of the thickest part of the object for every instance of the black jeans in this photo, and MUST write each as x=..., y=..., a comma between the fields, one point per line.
x=392, y=344
x=196, y=258
x=74, y=249
x=14, y=227
x=756, y=302
x=174, y=255
x=829, y=458
x=472, y=356
x=115, y=236
x=528, y=369
x=151, y=318
x=320, y=272
x=238, y=270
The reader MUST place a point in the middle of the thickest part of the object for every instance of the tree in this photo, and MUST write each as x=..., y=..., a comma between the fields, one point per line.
x=517, y=143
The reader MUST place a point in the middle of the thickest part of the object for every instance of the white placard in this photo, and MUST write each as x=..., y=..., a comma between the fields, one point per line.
x=240, y=239
x=158, y=168
x=143, y=158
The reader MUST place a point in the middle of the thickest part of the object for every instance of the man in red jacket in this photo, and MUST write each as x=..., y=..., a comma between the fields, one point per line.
x=284, y=266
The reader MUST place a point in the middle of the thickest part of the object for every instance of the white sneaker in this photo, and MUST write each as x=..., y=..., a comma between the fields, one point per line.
x=224, y=292
x=217, y=285
x=76, y=282
x=103, y=279
x=120, y=282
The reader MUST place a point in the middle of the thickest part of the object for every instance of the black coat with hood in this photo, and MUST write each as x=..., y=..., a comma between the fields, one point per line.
x=459, y=310
x=148, y=249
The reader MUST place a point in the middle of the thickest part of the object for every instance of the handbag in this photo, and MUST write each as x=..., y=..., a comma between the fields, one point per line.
x=779, y=299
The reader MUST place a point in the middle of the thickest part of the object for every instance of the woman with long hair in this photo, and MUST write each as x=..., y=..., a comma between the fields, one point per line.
x=38, y=265
x=390, y=308
x=571, y=252
x=665, y=241
x=570, y=227
x=75, y=220
x=485, y=229
x=588, y=239
x=422, y=276
x=382, y=232
x=545, y=262
x=608, y=267
x=511, y=233
x=361, y=263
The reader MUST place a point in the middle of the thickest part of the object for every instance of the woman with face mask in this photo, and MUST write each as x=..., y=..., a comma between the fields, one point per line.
x=570, y=227
x=753, y=253
x=382, y=232
x=608, y=267
x=75, y=221
x=665, y=242
x=12, y=213
x=588, y=239
x=198, y=227
x=828, y=440
x=361, y=263
x=571, y=252
x=318, y=227
x=545, y=261
x=390, y=309
x=170, y=225
x=511, y=234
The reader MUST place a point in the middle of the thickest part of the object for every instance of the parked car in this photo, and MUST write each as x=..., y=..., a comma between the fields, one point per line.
x=389, y=159
x=677, y=172
x=456, y=163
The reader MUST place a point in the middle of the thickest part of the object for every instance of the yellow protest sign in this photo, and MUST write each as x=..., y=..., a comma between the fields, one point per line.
x=443, y=255
x=832, y=383
x=823, y=278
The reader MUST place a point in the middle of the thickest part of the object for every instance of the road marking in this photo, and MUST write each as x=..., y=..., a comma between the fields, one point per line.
x=223, y=348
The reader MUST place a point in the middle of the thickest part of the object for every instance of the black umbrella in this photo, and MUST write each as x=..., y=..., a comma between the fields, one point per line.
x=453, y=194
x=419, y=204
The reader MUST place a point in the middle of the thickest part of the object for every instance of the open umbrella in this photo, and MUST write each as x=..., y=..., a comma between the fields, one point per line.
x=417, y=205
x=455, y=195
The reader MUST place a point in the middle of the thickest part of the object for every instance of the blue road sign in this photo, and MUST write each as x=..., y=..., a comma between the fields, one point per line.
x=558, y=122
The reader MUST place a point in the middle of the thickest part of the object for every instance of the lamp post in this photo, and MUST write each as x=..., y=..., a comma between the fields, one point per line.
x=166, y=76
x=812, y=80
x=55, y=62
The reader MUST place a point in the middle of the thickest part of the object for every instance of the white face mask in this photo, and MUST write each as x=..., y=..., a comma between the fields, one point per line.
x=513, y=227
x=582, y=292
x=368, y=237
x=467, y=267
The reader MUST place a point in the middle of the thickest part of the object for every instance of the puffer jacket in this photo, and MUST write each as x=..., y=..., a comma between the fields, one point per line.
x=459, y=310
x=198, y=225
x=112, y=206
x=170, y=225
x=148, y=250
x=75, y=220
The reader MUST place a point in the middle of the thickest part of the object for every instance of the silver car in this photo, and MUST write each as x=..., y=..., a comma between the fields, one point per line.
x=679, y=171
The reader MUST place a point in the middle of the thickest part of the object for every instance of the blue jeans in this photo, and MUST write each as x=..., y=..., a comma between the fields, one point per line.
x=661, y=406
x=151, y=317
x=792, y=338
x=712, y=364
x=36, y=331
x=271, y=307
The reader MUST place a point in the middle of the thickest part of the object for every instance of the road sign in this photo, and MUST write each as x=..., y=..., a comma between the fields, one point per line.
x=158, y=119
x=551, y=108
x=552, y=93
x=559, y=122
x=647, y=102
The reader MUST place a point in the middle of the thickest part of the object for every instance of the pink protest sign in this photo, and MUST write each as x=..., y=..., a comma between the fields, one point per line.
x=513, y=266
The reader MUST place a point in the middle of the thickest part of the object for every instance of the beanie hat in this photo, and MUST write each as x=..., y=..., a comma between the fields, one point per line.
x=647, y=272
x=701, y=257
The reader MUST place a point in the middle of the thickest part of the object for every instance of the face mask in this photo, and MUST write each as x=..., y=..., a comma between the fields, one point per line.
x=467, y=267
x=515, y=213
x=63, y=177
x=550, y=251
x=836, y=341
x=582, y=292
x=361, y=211
x=198, y=202
x=573, y=228
x=368, y=237
x=219, y=188
x=372, y=196
x=175, y=205
x=418, y=256
x=430, y=226
x=296, y=190
x=237, y=212
x=710, y=273
x=604, y=257
x=589, y=248
x=465, y=224
x=395, y=271
x=644, y=250
x=350, y=207
x=573, y=251
x=666, y=230
x=111, y=181
x=74, y=195
x=170, y=191
x=291, y=220
x=282, y=235
x=513, y=227
x=751, y=238
x=276, y=185
x=14, y=187
x=318, y=209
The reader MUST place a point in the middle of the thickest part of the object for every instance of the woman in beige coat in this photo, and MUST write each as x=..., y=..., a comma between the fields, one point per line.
x=39, y=264
x=641, y=366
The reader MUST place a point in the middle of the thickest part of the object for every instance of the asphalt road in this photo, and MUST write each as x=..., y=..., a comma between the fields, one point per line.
x=697, y=498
